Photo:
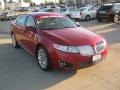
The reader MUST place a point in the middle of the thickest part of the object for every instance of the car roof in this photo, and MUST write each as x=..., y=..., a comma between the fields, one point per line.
x=86, y=7
x=108, y=4
x=38, y=14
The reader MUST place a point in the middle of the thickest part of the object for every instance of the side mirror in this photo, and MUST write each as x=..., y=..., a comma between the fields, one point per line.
x=30, y=28
x=78, y=24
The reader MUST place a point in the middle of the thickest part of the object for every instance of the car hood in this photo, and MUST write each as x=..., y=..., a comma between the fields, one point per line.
x=72, y=36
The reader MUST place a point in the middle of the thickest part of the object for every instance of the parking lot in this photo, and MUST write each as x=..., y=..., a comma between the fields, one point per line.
x=20, y=71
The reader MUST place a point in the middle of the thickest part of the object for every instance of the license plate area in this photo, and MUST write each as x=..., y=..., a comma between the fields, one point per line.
x=96, y=58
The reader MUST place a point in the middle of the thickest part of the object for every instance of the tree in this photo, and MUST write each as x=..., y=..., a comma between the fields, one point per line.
x=46, y=3
x=11, y=1
x=61, y=1
x=5, y=1
x=28, y=1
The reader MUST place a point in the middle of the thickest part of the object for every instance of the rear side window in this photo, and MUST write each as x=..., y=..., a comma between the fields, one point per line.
x=71, y=9
x=49, y=10
x=117, y=6
x=91, y=9
x=21, y=20
x=82, y=9
x=63, y=10
x=105, y=7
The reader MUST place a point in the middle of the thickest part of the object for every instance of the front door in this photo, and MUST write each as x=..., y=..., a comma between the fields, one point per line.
x=30, y=36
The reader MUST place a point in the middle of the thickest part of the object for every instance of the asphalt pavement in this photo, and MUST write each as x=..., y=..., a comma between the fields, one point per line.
x=20, y=71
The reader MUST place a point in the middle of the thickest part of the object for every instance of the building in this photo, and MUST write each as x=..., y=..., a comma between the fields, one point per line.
x=94, y=2
x=2, y=4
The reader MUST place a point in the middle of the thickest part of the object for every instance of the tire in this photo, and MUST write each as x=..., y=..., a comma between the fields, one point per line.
x=43, y=59
x=14, y=41
x=68, y=16
x=10, y=18
x=116, y=18
x=2, y=19
x=99, y=19
x=87, y=18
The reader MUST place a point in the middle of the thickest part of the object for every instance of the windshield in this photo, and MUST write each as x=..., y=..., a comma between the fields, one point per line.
x=105, y=7
x=82, y=9
x=55, y=23
x=42, y=10
x=49, y=10
x=63, y=10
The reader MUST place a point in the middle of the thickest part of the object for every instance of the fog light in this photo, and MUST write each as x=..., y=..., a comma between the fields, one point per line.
x=65, y=64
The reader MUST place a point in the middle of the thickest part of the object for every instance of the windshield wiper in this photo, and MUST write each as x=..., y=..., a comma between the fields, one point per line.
x=51, y=28
x=69, y=27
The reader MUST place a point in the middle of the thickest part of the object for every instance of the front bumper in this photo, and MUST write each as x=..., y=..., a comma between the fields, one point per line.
x=76, y=61
x=108, y=17
x=77, y=17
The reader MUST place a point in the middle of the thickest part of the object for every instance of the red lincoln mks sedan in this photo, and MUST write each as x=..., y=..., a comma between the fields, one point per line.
x=57, y=41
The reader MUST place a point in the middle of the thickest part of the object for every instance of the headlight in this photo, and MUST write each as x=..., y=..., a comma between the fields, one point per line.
x=105, y=43
x=69, y=49
x=100, y=46
x=85, y=50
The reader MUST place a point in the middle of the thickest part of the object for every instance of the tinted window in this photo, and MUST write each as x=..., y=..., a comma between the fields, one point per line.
x=91, y=9
x=55, y=23
x=71, y=9
x=30, y=21
x=82, y=9
x=63, y=10
x=21, y=20
x=49, y=10
x=117, y=6
x=105, y=7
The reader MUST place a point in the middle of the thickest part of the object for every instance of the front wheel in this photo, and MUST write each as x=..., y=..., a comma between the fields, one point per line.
x=43, y=59
x=116, y=18
x=14, y=41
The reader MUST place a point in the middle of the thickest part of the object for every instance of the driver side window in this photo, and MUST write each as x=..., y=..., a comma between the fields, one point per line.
x=30, y=22
x=91, y=9
x=21, y=20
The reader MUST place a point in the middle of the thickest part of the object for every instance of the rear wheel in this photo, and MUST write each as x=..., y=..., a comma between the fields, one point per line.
x=87, y=18
x=116, y=18
x=43, y=59
x=10, y=18
x=14, y=41
x=99, y=19
x=68, y=15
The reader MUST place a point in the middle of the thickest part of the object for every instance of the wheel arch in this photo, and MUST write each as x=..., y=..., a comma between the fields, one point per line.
x=36, y=50
x=37, y=46
x=87, y=15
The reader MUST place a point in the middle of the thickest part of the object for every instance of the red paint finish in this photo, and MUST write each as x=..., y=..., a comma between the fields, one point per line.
x=68, y=37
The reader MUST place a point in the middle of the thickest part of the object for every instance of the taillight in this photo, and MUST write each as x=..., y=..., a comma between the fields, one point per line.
x=80, y=13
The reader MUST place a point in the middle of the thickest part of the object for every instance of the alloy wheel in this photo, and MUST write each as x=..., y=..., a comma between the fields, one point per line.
x=116, y=18
x=13, y=40
x=42, y=58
